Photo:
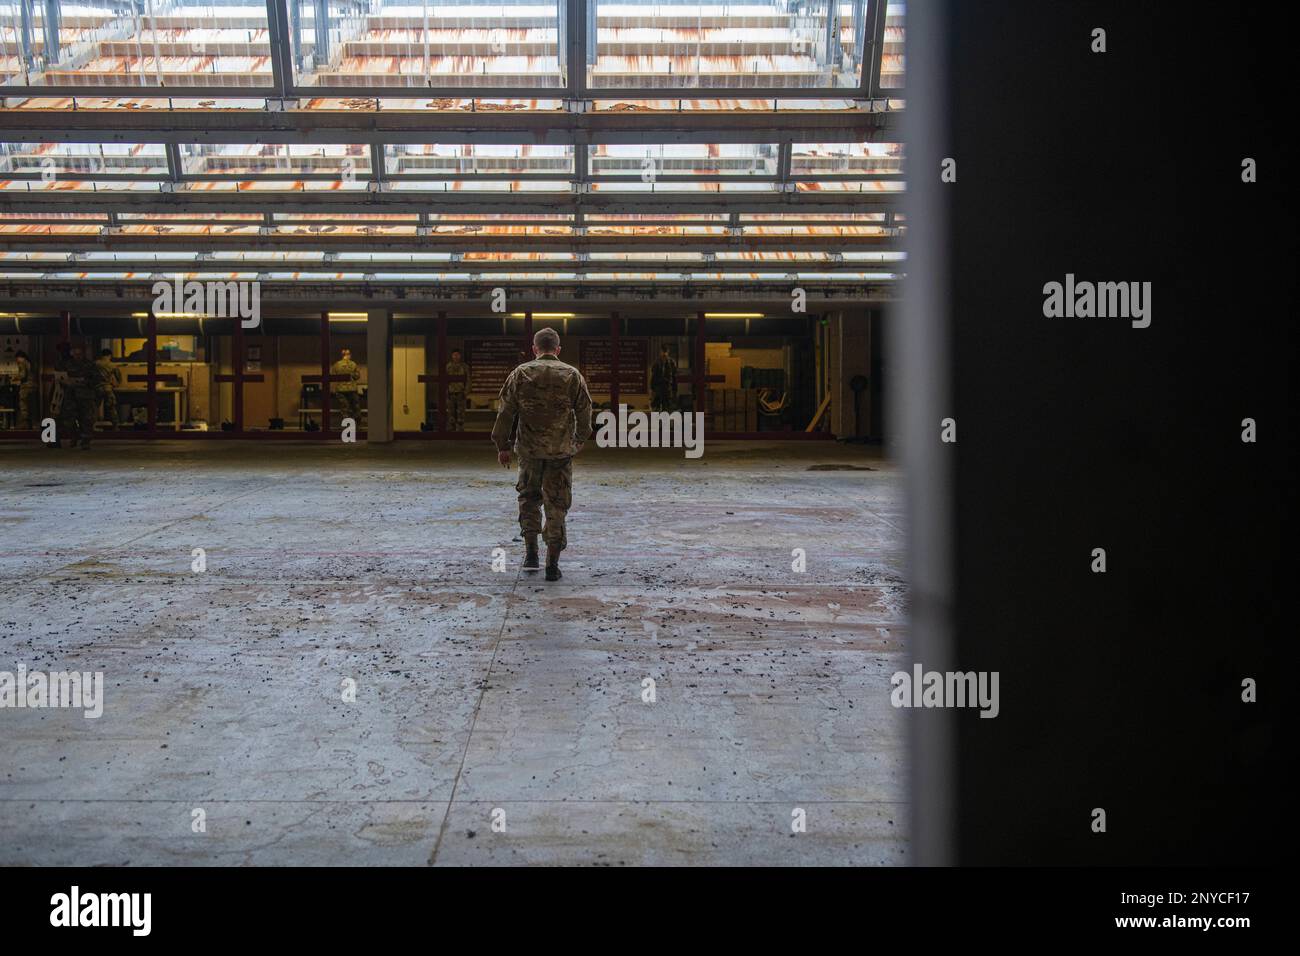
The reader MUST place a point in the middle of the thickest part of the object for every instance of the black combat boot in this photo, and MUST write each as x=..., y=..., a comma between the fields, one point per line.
x=530, y=552
x=552, y=564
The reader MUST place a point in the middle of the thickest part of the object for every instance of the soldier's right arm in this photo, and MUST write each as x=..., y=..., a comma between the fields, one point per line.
x=506, y=416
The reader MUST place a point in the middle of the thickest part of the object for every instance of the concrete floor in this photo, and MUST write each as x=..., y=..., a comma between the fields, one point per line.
x=476, y=690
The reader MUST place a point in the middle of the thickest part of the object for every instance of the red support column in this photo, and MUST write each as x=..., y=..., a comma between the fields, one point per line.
x=698, y=371
x=442, y=378
x=151, y=378
x=442, y=373
x=699, y=374
x=237, y=370
x=325, y=378
x=237, y=376
x=151, y=370
x=324, y=374
x=614, y=323
x=65, y=335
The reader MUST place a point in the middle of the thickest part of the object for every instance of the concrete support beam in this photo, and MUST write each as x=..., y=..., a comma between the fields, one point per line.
x=379, y=376
x=850, y=355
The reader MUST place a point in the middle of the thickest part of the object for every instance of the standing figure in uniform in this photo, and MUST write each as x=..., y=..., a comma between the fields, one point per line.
x=110, y=377
x=77, y=413
x=663, y=383
x=26, y=391
x=546, y=408
x=348, y=393
x=456, y=388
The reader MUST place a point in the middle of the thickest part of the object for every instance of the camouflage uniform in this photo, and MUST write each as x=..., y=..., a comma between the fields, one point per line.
x=546, y=405
x=456, y=397
x=110, y=377
x=26, y=394
x=348, y=393
x=663, y=385
x=77, y=413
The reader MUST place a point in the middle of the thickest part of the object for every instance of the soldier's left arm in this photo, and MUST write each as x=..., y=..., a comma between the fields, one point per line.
x=581, y=409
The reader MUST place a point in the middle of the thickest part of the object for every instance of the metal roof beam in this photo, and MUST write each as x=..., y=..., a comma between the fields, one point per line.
x=440, y=243
x=416, y=126
x=482, y=202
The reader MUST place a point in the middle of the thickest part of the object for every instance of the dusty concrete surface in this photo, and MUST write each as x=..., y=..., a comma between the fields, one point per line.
x=478, y=693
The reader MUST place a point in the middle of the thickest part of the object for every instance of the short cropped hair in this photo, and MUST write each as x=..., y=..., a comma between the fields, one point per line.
x=547, y=340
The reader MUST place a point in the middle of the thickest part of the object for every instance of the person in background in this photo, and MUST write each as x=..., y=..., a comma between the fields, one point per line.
x=456, y=388
x=348, y=391
x=663, y=382
x=77, y=411
x=110, y=377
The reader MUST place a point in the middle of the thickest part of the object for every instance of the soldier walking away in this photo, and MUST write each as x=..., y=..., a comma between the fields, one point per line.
x=546, y=407
x=26, y=391
x=110, y=377
x=456, y=388
x=348, y=392
x=77, y=411
x=663, y=382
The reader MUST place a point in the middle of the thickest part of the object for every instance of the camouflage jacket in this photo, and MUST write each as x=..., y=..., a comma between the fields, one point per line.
x=81, y=373
x=26, y=381
x=663, y=375
x=110, y=376
x=546, y=405
x=454, y=369
x=350, y=369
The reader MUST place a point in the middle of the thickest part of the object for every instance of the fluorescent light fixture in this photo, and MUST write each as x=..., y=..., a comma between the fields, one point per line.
x=170, y=315
x=544, y=315
x=347, y=316
x=733, y=315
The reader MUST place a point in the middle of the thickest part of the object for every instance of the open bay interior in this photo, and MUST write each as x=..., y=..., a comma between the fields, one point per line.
x=303, y=244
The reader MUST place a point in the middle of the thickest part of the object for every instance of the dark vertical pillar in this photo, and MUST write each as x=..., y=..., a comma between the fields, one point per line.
x=151, y=370
x=25, y=32
x=442, y=373
x=324, y=374
x=237, y=373
x=614, y=324
x=699, y=371
x=321, y=54
x=528, y=335
x=50, y=24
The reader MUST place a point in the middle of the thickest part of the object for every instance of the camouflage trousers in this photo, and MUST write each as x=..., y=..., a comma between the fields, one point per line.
x=77, y=415
x=545, y=482
x=455, y=411
x=663, y=401
x=349, y=405
x=26, y=407
x=108, y=398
